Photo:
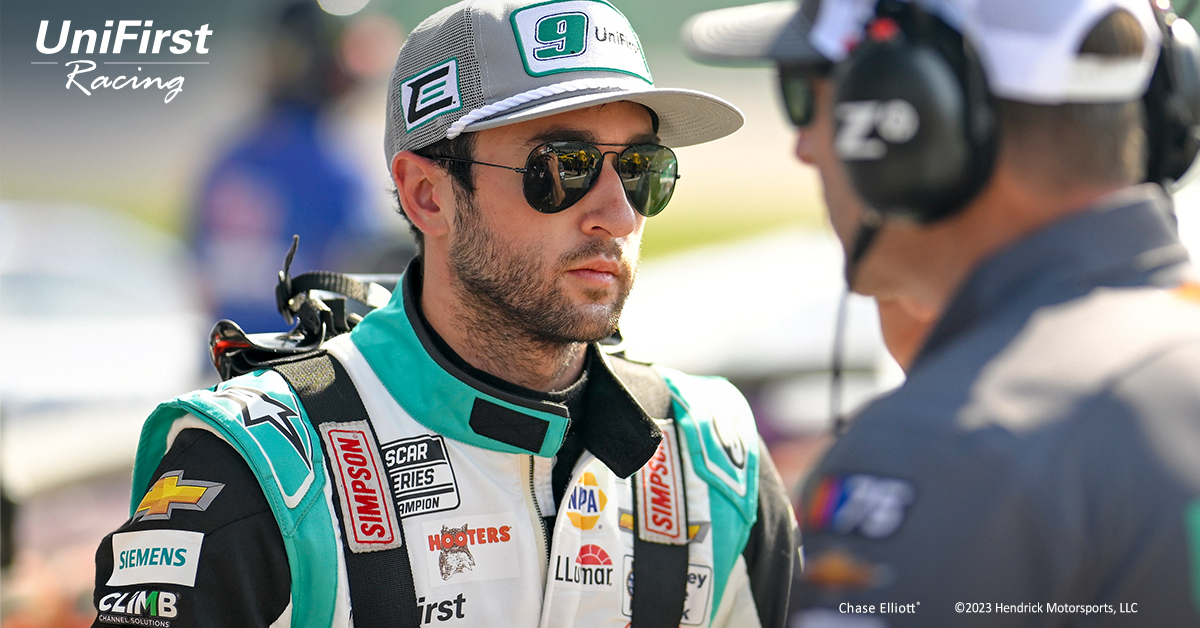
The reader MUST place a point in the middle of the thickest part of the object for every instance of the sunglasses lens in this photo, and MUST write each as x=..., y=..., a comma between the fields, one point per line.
x=648, y=172
x=559, y=174
x=798, y=97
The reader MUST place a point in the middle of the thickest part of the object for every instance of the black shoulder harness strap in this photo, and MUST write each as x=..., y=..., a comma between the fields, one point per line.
x=660, y=580
x=381, y=586
x=382, y=593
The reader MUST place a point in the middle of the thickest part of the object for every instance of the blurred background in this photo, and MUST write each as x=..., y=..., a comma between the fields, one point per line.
x=129, y=224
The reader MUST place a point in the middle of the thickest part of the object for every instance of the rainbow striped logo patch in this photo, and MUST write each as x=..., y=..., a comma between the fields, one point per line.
x=865, y=504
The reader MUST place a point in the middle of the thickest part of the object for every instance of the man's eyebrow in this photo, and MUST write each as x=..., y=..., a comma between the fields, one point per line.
x=572, y=134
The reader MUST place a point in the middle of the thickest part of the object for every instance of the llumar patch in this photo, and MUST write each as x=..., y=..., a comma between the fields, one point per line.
x=171, y=492
x=430, y=93
x=661, y=511
x=368, y=519
x=577, y=35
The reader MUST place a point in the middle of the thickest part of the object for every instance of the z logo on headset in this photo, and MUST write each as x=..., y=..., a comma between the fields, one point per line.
x=866, y=127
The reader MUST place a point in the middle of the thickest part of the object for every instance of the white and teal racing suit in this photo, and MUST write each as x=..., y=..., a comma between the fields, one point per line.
x=234, y=520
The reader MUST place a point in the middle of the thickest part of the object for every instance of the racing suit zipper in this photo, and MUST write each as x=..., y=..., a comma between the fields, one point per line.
x=535, y=511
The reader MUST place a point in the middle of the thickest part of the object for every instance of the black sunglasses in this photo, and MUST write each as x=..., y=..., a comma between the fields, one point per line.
x=799, y=95
x=558, y=174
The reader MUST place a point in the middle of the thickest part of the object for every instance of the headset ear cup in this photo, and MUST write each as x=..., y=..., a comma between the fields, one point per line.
x=1172, y=104
x=908, y=131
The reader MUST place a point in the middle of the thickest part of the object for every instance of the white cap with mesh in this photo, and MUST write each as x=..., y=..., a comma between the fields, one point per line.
x=480, y=64
x=1028, y=48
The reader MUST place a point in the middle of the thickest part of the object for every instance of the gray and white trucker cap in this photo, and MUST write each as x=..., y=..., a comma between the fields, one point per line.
x=480, y=64
x=1028, y=48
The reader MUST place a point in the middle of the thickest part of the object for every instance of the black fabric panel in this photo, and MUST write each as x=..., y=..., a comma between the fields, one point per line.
x=659, y=580
x=772, y=550
x=624, y=441
x=242, y=579
x=646, y=386
x=382, y=593
x=508, y=426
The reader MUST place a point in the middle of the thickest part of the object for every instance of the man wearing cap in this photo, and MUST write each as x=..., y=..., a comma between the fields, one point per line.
x=470, y=454
x=997, y=163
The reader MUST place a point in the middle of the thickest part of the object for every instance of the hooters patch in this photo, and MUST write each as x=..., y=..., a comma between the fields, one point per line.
x=661, y=511
x=368, y=519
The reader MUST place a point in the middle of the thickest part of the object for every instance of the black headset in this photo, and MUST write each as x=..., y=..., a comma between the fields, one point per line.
x=917, y=131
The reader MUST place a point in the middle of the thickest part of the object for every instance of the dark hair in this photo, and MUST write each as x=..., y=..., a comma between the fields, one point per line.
x=1083, y=144
x=461, y=147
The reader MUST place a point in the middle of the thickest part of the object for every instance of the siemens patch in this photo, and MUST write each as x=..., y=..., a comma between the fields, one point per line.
x=158, y=556
x=422, y=476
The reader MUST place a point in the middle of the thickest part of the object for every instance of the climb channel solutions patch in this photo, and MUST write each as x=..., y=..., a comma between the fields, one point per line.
x=156, y=556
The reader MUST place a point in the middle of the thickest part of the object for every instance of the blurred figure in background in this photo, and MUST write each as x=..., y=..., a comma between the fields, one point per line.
x=981, y=160
x=285, y=177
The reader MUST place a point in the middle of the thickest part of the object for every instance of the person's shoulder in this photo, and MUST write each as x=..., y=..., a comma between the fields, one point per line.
x=261, y=418
x=720, y=435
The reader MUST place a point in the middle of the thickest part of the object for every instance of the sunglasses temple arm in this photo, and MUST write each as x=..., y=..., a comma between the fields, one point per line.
x=480, y=163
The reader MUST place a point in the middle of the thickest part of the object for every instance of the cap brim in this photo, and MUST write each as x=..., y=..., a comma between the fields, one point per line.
x=771, y=31
x=685, y=117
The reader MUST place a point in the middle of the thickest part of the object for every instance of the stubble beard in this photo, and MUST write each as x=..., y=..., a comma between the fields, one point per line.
x=512, y=296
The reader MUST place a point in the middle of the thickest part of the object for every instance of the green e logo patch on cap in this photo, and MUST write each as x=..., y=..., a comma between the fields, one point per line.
x=430, y=93
x=577, y=35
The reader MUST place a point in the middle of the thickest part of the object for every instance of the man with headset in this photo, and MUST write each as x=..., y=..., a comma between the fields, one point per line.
x=985, y=160
x=469, y=454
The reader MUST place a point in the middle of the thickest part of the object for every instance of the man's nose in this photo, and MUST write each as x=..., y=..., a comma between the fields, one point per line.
x=804, y=145
x=609, y=211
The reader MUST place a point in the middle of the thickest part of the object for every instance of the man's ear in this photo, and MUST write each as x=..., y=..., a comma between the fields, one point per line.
x=426, y=192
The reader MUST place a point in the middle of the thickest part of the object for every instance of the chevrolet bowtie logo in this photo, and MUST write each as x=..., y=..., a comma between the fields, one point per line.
x=171, y=492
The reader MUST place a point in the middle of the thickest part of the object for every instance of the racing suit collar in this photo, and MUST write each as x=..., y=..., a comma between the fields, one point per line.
x=1123, y=240
x=446, y=399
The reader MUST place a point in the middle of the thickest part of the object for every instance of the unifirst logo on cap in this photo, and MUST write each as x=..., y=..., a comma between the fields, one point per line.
x=577, y=35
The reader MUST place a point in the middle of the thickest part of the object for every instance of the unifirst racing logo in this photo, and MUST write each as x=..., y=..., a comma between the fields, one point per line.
x=138, y=608
x=586, y=502
x=149, y=41
x=592, y=567
x=445, y=609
